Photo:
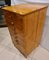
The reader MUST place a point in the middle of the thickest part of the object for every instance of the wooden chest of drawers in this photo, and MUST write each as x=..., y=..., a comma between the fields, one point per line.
x=25, y=23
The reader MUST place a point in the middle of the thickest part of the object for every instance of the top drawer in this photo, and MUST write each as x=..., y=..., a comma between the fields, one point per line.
x=9, y=18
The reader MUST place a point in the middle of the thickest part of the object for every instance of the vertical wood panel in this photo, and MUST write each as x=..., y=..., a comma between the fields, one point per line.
x=30, y=27
x=41, y=21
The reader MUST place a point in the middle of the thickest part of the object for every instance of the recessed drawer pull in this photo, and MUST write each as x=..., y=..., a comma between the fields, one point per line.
x=17, y=41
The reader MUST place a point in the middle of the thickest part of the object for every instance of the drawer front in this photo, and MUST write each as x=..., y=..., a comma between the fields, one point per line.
x=19, y=38
x=20, y=48
x=20, y=42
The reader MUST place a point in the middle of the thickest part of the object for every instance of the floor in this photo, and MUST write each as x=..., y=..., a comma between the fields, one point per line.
x=9, y=52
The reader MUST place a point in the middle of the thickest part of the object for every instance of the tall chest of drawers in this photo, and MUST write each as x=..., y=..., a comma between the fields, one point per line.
x=25, y=23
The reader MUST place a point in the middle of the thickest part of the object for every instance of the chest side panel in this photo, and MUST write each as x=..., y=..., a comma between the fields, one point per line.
x=41, y=20
x=30, y=28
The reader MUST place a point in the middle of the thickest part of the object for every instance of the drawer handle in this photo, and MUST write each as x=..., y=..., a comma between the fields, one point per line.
x=17, y=41
x=10, y=16
x=12, y=23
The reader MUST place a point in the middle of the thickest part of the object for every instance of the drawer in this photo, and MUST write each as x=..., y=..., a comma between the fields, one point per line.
x=20, y=35
x=18, y=42
x=9, y=16
x=20, y=39
x=20, y=48
x=9, y=20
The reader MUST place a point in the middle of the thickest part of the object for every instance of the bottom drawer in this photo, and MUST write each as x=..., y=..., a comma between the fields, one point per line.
x=20, y=48
x=20, y=42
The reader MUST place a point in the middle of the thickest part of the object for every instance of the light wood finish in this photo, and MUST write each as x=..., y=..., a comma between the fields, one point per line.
x=24, y=9
x=25, y=23
x=41, y=20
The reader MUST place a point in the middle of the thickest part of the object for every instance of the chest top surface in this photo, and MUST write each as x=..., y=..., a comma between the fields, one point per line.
x=23, y=9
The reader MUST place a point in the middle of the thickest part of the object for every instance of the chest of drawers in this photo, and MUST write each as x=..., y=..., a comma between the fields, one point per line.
x=25, y=23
